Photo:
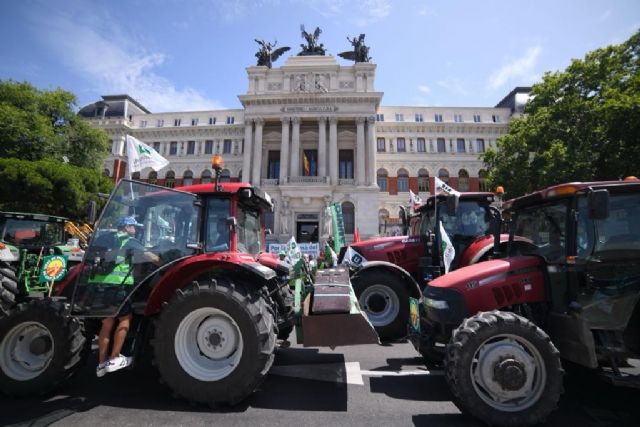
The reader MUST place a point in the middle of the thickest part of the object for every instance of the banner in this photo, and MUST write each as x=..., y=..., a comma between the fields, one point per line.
x=305, y=248
x=140, y=156
x=443, y=187
x=337, y=222
x=446, y=248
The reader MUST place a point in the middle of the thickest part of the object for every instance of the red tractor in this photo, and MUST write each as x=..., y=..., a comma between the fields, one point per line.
x=209, y=312
x=569, y=288
x=387, y=270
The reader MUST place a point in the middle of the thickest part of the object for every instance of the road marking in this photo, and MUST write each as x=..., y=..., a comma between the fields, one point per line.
x=346, y=373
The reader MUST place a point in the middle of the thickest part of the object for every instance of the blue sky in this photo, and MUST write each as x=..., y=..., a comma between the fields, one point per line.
x=175, y=55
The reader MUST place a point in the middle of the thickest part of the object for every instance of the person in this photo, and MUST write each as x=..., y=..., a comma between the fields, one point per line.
x=219, y=236
x=130, y=250
x=282, y=256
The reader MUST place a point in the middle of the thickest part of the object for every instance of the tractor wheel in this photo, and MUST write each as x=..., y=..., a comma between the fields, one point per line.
x=431, y=354
x=40, y=346
x=285, y=326
x=8, y=288
x=214, y=342
x=385, y=300
x=503, y=370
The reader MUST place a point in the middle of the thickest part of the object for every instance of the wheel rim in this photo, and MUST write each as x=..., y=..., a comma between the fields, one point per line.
x=508, y=373
x=380, y=304
x=26, y=351
x=208, y=344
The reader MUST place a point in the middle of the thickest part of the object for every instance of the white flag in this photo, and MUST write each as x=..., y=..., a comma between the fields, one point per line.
x=443, y=187
x=414, y=200
x=293, y=252
x=140, y=156
x=353, y=258
x=446, y=248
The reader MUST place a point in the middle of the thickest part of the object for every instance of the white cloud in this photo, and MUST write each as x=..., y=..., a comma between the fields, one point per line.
x=424, y=89
x=516, y=71
x=99, y=51
x=453, y=85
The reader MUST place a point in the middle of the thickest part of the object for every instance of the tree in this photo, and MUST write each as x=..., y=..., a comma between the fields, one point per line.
x=582, y=124
x=50, y=187
x=37, y=124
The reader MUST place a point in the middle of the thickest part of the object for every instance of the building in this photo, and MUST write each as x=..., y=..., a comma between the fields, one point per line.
x=312, y=132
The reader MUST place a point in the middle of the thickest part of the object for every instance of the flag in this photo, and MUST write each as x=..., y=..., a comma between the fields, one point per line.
x=414, y=200
x=356, y=236
x=140, y=156
x=351, y=257
x=446, y=248
x=306, y=165
x=337, y=222
x=293, y=252
x=443, y=187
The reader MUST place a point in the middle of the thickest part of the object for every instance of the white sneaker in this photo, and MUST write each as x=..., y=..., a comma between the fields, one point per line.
x=101, y=370
x=118, y=363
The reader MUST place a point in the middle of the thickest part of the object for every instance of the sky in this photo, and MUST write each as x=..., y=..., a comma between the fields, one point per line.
x=189, y=55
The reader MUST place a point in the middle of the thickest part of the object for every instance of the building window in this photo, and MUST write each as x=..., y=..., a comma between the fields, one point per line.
x=482, y=180
x=194, y=122
x=457, y=118
x=156, y=146
x=143, y=123
x=496, y=118
x=273, y=165
x=382, y=179
x=345, y=164
x=463, y=180
x=348, y=217
x=423, y=181
x=310, y=163
x=382, y=147
x=160, y=123
x=191, y=147
x=230, y=120
x=208, y=147
x=225, y=175
x=443, y=174
x=153, y=177
x=476, y=118
x=212, y=120
x=460, y=145
x=173, y=148
x=438, y=118
x=399, y=117
x=422, y=147
x=480, y=145
x=442, y=147
x=379, y=117
x=400, y=145
x=106, y=172
x=170, y=179
x=419, y=117
x=403, y=181
x=176, y=122
x=187, y=178
x=205, y=177
x=269, y=220
x=226, y=148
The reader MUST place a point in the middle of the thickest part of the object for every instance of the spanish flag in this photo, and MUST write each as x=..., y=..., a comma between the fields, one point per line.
x=306, y=165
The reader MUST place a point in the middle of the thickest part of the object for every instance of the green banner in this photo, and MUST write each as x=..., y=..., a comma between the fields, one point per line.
x=54, y=267
x=337, y=223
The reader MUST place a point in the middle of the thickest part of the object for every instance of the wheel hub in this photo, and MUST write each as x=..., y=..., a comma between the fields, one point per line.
x=26, y=351
x=376, y=303
x=381, y=304
x=510, y=374
x=40, y=345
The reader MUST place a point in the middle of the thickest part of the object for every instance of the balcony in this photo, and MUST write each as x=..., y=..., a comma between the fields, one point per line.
x=317, y=180
x=346, y=181
x=269, y=181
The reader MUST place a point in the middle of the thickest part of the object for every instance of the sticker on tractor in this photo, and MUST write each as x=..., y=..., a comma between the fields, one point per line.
x=54, y=267
x=414, y=314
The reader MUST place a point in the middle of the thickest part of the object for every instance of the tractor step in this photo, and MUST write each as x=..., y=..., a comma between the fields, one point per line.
x=628, y=376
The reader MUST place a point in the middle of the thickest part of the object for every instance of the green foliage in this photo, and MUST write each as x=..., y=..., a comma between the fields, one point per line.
x=36, y=125
x=583, y=124
x=49, y=187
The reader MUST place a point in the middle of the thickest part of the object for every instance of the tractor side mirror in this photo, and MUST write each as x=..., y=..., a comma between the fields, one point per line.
x=404, y=220
x=245, y=193
x=91, y=212
x=598, y=204
x=232, y=222
x=268, y=232
x=452, y=205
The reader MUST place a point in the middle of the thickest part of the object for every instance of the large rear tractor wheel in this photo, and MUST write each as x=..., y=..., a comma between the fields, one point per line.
x=385, y=300
x=286, y=312
x=8, y=288
x=214, y=342
x=503, y=370
x=40, y=346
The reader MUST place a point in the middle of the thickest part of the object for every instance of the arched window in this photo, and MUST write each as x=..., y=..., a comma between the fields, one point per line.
x=187, y=178
x=136, y=176
x=240, y=175
x=349, y=217
x=482, y=180
x=170, y=179
x=443, y=174
x=423, y=181
x=463, y=180
x=106, y=172
x=383, y=220
x=403, y=180
x=153, y=177
x=225, y=176
x=205, y=177
x=382, y=179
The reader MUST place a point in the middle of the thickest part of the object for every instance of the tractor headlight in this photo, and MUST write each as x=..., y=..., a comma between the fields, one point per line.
x=435, y=303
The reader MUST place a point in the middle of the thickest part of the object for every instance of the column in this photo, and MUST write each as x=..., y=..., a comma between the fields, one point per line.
x=257, y=153
x=295, y=147
x=322, y=146
x=284, y=150
x=371, y=150
x=333, y=150
x=360, y=152
x=246, y=161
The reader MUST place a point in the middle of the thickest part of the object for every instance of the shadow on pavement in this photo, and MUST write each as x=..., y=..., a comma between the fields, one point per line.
x=448, y=420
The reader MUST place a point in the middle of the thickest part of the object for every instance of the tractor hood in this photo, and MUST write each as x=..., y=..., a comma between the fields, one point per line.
x=401, y=250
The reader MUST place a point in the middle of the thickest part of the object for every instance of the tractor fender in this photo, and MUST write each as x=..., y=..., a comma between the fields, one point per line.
x=186, y=271
x=479, y=248
x=408, y=280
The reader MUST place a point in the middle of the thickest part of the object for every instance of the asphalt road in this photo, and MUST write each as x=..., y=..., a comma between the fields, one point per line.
x=354, y=386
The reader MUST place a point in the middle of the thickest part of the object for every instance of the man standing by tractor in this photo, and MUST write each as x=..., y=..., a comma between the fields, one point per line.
x=129, y=251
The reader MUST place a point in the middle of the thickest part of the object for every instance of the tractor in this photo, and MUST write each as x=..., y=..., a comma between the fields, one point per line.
x=568, y=288
x=208, y=313
x=387, y=270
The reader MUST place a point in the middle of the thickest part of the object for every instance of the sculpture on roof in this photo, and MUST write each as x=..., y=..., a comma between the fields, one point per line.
x=360, y=52
x=312, y=47
x=266, y=55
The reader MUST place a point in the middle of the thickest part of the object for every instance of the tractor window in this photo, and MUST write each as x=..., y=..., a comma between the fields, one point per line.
x=218, y=210
x=249, y=230
x=471, y=219
x=545, y=227
x=618, y=232
x=31, y=233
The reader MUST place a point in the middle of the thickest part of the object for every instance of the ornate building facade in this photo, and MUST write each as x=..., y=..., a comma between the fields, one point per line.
x=312, y=132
